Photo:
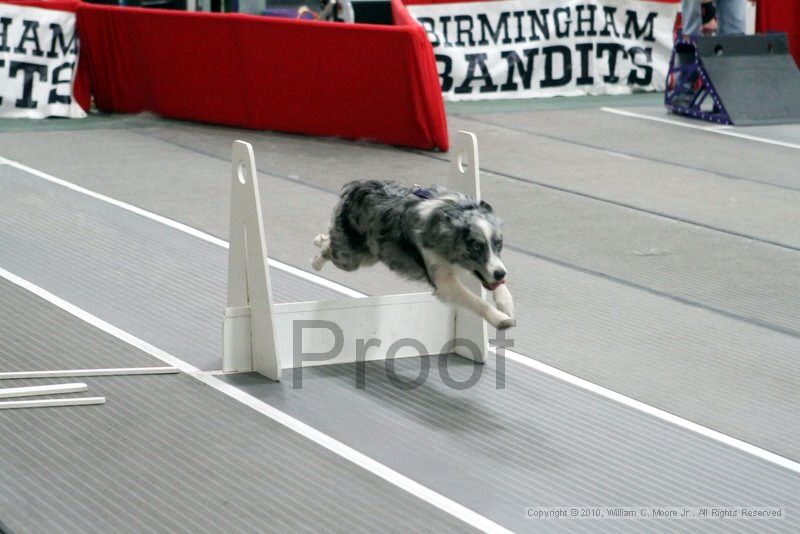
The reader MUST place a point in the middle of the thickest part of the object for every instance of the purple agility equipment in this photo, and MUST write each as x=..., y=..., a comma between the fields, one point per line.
x=690, y=91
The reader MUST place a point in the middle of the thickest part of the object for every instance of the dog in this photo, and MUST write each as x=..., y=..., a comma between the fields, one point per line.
x=422, y=234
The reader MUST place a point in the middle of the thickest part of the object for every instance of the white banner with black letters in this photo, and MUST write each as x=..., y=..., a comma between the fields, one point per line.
x=38, y=60
x=532, y=48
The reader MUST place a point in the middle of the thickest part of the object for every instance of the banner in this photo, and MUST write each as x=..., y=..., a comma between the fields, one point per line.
x=535, y=48
x=38, y=61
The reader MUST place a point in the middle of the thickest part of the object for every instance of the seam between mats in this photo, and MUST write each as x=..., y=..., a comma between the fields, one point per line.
x=629, y=154
x=364, y=461
x=675, y=298
x=519, y=179
x=297, y=181
x=631, y=207
x=524, y=360
x=305, y=274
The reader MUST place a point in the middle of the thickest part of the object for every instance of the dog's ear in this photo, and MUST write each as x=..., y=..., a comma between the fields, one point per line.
x=486, y=206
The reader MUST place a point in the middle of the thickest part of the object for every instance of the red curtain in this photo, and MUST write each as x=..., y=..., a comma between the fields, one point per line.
x=348, y=80
x=781, y=16
x=427, y=2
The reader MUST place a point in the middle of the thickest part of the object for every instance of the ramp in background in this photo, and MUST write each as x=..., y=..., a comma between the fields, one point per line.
x=744, y=80
x=755, y=76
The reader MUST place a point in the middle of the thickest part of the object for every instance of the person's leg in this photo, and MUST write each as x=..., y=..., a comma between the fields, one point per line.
x=731, y=15
x=691, y=17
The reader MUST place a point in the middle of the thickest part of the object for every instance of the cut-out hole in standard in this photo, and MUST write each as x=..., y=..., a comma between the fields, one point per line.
x=463, y=161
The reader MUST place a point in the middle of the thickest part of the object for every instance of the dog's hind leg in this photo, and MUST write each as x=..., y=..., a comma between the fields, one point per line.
x=341, y=251
x=450, y=289
x=368, y=260
x=319, y=262
x=322, y=241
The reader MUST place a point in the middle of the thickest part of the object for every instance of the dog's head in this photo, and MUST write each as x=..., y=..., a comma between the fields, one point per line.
x=470, y=235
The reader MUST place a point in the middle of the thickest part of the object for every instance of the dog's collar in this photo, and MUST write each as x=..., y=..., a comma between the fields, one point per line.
x=421, y=192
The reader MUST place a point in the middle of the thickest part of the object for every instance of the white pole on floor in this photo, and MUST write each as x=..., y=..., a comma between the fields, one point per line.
x=66, y=373
x=43, y=403
x=53, y=389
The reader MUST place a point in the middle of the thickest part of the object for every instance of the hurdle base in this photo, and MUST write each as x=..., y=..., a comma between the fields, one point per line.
x=351, y=330
x=236, y=340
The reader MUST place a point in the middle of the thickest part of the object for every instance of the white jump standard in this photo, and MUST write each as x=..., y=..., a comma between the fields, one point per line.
x=261, y=336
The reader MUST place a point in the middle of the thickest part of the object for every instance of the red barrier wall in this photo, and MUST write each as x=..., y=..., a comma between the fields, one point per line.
x=781, y=16
x=427, y=2
x=348, y=80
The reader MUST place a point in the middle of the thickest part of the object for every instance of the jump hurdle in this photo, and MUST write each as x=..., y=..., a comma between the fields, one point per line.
x=261, y=336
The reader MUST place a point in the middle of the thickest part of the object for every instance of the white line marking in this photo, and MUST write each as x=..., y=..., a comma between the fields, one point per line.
x=170, y=222
x=344, y=290
x=642, y=407
x=619, y=155
x=436, y=499
x=657, y=119
x=523, y=360
x=721, y=130
x=129, y=207
x=45, y=403
x=52, y=389
x=733, y=133
x=63, y=373
x=655, y=412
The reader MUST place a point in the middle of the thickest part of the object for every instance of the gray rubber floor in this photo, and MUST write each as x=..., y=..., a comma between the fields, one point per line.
x=166, y=453
x=658, y=261
x=116, y=265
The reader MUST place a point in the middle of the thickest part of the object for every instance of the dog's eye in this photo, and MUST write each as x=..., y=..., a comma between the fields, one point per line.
x=498, y=244
x=477, y=246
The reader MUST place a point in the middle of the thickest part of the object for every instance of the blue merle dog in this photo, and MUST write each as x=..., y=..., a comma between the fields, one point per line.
x=421, y=234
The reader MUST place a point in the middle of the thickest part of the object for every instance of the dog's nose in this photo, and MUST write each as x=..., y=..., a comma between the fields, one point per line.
x=499, y=274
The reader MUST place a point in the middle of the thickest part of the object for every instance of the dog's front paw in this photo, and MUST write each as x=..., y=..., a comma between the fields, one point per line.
x=506, y=307
x=506, y=323
x=500, y=320
x=503, y=300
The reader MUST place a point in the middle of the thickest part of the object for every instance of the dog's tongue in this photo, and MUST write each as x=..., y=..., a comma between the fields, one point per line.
x=494, y=285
